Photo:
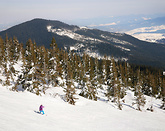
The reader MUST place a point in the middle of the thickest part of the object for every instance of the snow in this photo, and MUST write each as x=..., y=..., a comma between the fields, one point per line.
x=126, y=49
x=83, y=27
x=150, y=37
x=122, y=42
x=18, y=113
x=71, y=34
x=148, y=33
x=146, y=29
x=82, y=39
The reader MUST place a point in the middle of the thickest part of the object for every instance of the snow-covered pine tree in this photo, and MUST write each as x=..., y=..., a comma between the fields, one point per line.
x=53, y=62
x=22, y=61
x=64, y=61
x=83, y=76
x=45, y=63
x=117, y=87
x=2, y=52
x=76, y=67
x=115, y=91
x=69, y=89
x=158, y=84
x=27, y=65
x=32, y=73
x=147, y=86
x=140, y=99
x=8, y=61
x=17, y=49
x=163, y=93
x=126, y=74
x=104, y=71
x=152, y=89
x=80, y=79
x=89, y=87
x=59, y=60
x=118, y=93
x=92, y=80
x=122, y=75
x=111, y=81
x=17, y=54
x=97, y=73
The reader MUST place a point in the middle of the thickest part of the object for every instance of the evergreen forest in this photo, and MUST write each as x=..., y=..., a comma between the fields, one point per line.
x=42, y=68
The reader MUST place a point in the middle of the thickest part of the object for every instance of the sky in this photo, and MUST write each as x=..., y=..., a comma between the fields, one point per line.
x=13, y=11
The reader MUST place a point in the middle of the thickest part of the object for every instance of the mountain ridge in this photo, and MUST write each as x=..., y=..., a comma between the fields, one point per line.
x=87, y=40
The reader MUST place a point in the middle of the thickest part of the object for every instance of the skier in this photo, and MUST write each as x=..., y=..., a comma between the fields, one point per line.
x=41, y=109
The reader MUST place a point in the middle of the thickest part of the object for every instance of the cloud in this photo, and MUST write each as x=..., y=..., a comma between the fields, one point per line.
x=108, y=24
x=144, y=18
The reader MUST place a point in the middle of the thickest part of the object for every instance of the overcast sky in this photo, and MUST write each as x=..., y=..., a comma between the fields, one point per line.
x=22, y=10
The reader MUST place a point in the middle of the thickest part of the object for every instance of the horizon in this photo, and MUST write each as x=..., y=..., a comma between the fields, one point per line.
x=79, y=22
x=16, y=11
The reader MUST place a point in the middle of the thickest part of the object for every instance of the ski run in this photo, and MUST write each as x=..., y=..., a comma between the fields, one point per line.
x=19, y=105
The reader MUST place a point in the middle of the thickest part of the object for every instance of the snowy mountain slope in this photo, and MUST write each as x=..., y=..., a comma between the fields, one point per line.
x=91, y=41
x=19, y=110
x=135, y=23
x=18, y=113
x=150, y=34
x=71, y=34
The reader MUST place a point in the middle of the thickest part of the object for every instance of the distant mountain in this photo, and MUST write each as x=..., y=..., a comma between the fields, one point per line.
x=126, y=23
x=145, y=28
x=36, y=30
x=92, y=41
x=150, y=34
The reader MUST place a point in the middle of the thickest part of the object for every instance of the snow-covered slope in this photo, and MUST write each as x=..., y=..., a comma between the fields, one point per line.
x=150, y=34
x=93, y=42
x=71, y=34
x=19, y=113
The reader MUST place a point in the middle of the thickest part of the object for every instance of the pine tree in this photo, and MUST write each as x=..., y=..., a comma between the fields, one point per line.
x=70, y=89
x=111, y=82
x=32, y=73
x=147, y=88
x=89, y=87
x=44, y=60
x=118, y=94
x=2, y=51
x=104, y=71
x=97, y=73
x=21, y=77
x=126, y=74
x=54, y=65
x=122, y=76
x=81, y=74
x=117, y=88
x=8, y=65
x=140, y=99
x=163, y=93
x=17, y=47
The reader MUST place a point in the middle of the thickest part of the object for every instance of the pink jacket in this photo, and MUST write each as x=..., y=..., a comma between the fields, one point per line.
x=41, y=107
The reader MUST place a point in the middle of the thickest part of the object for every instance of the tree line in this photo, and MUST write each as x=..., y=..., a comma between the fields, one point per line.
x=43, y=67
